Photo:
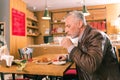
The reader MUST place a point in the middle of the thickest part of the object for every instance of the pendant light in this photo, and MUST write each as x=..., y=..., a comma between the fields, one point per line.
x=46, y=15
x=84, y=9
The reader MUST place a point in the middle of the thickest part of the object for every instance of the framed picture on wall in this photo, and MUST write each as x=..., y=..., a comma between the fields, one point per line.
x=18, y=22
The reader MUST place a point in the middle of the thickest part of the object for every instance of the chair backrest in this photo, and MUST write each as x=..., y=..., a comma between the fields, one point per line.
x=26, y=53
x=116, y=53
x=21, y=53
x=117, y=47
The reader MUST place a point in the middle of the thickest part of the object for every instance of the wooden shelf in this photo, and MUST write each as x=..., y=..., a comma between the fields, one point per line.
x=33, y=35
x=33, y=19
x=34, y=30
x=96, y=20
x=57, y=22
x=58, y=33
x=33, y=27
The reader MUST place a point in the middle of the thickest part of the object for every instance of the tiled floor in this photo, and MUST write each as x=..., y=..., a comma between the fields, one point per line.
x=9, y=76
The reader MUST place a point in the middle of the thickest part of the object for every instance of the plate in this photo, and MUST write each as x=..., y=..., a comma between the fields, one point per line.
x=59, y=62
x=43, y=62
x=17, y=61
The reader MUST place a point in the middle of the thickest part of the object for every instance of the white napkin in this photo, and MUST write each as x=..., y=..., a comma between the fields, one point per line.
x=8, y=58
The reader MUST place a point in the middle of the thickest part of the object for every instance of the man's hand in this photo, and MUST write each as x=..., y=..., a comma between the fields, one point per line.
x=62, y=58
x=66, y=42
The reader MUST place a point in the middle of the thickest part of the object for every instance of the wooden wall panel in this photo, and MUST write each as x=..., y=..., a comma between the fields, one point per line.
x=58, y=16
x=49, y=50
x=30, y=40
x=16, y=41
x=113, y=10
x=79, y=8
x=97, y=14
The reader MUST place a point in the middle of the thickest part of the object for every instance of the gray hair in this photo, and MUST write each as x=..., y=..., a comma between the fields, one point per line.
x=78, y=15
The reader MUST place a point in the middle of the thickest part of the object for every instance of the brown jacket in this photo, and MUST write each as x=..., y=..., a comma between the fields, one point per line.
x=94, y=57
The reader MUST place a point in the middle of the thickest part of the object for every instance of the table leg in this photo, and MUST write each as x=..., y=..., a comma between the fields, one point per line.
x=56, y=78
x=53, y=77
x=2, y=76
x=13, y=76
x=60, y=78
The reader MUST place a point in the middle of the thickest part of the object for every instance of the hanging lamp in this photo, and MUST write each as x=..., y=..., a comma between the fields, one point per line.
x=84, y=9
x=46, y=15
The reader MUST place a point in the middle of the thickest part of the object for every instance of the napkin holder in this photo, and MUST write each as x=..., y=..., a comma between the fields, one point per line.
x=7, y=60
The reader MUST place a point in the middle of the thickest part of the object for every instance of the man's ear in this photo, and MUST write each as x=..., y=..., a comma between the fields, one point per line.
x=80, y=23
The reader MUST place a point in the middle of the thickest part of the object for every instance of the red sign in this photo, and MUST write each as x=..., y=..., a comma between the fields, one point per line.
x=18, y=23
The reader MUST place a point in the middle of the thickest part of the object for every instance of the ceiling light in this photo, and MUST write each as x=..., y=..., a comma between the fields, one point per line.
x=46, y=15
x=84, y=9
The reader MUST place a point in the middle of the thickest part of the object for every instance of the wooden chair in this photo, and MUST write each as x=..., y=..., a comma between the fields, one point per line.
x=22, y=56
x=34, y=77
x=71, y=73
x=117, y=52
x=20, y=53
x=117, y=48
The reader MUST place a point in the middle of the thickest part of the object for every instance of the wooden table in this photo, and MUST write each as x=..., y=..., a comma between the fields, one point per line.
x=38, y=69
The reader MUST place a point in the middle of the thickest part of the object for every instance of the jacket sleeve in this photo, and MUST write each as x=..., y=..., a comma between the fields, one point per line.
x=88, y=56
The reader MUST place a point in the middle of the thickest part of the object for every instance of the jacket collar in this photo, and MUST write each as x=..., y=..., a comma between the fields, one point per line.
x=86, y=31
